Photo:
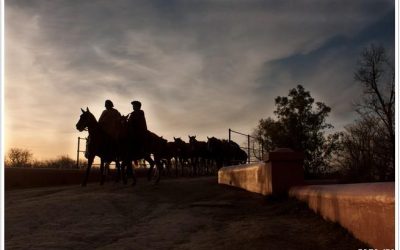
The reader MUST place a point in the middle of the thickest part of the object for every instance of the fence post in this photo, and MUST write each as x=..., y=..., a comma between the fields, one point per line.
x=77, y=153
x=229, y=135
x=248, y=148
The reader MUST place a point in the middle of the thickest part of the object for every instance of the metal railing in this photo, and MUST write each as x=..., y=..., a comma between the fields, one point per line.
x=78, y=151
x=254, y=152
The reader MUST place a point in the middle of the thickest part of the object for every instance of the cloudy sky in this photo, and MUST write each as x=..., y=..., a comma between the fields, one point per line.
x=198, y=67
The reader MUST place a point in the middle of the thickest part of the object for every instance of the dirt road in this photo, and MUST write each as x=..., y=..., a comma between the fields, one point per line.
x=176, y=214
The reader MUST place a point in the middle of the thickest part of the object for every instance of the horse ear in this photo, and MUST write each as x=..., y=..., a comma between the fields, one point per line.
x=208, y=138
x=83, y=111
x=174, y=138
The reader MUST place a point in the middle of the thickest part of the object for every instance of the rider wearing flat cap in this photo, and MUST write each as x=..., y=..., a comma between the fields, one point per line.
x=138, y=125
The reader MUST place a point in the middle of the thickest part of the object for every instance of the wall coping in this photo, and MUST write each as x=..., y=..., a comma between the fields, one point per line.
x=367, y=210
x=383, y=192
x=243, y=166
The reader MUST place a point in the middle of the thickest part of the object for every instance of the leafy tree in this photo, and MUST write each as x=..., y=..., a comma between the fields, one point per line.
x=19, y=157
x=300, y=125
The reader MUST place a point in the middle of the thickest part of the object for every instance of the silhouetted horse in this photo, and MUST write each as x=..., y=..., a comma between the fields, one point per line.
x=99, y=144
x=238, y=156
x=215, y=148
x=158, y=146
x=225, y=152
x=199, y=155
x=181, y=153
x=167, y=155
x=173, y=152
x=130, y=151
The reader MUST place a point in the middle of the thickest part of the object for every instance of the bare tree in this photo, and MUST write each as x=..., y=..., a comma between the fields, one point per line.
x=376, y=73
x=364, y=153
x=368, y=146
x=19, y=157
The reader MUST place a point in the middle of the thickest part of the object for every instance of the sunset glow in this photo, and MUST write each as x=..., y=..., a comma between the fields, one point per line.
x=198, y=67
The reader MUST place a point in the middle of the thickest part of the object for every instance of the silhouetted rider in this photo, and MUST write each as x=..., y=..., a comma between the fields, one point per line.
x=110, y=120
x=137, y=126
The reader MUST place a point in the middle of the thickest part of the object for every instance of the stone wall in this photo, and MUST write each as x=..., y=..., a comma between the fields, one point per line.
x=254, y=177
x=367, y=210
x=283, y=169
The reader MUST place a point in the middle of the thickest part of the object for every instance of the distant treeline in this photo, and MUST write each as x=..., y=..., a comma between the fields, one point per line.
x=20, y=158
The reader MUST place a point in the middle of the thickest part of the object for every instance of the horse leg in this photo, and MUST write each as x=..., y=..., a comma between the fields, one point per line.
x=149, y=172
x=133, y=173
x=169, y=167
x=160, y=168
x=102, y=172
x=118, y=171
x=164, y=166
x=176, y=166
x=192, y=166
x=196, y=166
x=122, y=172
x=181, y=161
x=200, y=166
x=89, y=166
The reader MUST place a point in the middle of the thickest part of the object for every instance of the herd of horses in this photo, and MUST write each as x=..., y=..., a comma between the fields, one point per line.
x=195, y=157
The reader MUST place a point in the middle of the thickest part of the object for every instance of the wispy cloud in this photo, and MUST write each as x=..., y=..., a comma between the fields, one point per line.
x=198, y=67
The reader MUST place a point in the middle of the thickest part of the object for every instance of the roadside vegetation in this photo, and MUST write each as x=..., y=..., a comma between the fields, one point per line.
x=364, y=151
x=23, y=158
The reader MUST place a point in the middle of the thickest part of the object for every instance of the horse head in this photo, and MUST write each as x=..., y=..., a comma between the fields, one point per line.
x=123, y=121
x=212, y=143
x=165, y=141
x=85, y=120
x=192, y=139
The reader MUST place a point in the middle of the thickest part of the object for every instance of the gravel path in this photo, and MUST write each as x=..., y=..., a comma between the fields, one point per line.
x=187, y=213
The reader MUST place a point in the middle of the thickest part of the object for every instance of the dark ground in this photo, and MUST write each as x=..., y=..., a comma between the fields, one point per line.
x=186, y=213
